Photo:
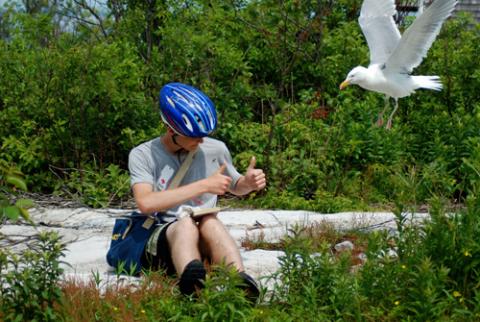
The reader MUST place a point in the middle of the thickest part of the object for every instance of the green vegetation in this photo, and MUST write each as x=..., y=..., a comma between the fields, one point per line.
x=79, y=90
x=11, y=180
x=421, y=273
x=29, y=281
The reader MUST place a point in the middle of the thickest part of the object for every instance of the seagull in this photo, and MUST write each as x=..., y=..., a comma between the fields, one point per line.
x=393, y=56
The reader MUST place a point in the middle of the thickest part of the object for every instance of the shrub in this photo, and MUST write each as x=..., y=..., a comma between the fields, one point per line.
x=29, y=281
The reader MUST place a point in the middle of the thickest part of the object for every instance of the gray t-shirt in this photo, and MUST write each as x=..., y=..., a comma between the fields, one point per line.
x=151, y=163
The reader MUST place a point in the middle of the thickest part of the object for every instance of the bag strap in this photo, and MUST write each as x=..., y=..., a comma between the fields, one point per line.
x=175, y=182
x=182, y=171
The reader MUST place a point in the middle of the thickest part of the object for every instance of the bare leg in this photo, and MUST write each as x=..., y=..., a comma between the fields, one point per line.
x=389, y=122
x=183, y=238
x=218, y=243
x=380, y=115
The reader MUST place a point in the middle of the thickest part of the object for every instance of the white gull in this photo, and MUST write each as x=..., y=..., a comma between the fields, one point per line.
x=392, y=56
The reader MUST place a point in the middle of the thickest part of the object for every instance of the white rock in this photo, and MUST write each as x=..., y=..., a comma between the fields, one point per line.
x=343, y=246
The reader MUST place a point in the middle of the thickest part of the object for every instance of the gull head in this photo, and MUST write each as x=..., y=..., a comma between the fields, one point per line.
x=355, y=76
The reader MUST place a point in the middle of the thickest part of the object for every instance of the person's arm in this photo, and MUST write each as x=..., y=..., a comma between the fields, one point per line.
x=149, y=201
x=254, y=179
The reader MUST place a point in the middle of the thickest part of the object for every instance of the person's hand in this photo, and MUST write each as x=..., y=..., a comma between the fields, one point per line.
x=255, y=178
x=218, y=183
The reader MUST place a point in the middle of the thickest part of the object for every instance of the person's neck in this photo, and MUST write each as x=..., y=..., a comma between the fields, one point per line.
x=169, y=145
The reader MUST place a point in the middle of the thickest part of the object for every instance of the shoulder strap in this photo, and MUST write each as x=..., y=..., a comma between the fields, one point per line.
x=182, y=171
x=175, y=182
x=196, y=212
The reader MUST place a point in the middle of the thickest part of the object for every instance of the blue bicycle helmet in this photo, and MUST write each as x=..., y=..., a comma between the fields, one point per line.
x=187, y=110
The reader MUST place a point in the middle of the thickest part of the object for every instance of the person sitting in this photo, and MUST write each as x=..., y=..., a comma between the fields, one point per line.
x=181, y=243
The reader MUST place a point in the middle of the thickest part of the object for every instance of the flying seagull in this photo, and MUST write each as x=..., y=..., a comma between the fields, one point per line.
x=392, y=56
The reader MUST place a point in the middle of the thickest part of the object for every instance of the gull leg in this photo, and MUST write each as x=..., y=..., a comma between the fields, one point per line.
x=389, y=122
x=380, y=115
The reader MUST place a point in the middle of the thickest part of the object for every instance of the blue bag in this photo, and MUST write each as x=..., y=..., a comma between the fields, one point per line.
x=129, y=238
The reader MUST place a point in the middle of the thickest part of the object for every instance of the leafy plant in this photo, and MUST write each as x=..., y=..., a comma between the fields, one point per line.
x=222, y=298
x=29, y=281
x=95, y=187
x=10, y=180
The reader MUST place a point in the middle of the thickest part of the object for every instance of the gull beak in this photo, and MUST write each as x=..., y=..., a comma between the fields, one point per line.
x=344, y=84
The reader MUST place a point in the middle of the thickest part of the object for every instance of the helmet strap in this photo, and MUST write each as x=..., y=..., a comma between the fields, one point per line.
x=174, y=136
x=174, y=139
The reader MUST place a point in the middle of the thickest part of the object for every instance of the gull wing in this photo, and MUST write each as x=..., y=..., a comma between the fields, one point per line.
x=378, y=26
x=418, y=38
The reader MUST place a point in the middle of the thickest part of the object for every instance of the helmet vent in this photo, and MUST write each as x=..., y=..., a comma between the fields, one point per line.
x=169, y=100
x=210, y=119
x=180, y=96
x=187, y=122
x=200, y=123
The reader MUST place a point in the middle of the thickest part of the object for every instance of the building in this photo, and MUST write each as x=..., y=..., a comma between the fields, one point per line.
x=415, y=7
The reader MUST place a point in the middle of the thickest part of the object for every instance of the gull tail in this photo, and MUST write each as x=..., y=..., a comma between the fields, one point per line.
x=428, y=82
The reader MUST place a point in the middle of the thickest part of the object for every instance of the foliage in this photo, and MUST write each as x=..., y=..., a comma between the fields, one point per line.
x=95, y=186
x=222, y=299
x=157, y=298
x=29, y=281
x=10, y=180
x=420, y=273
x=80, y=92
x=452, y=239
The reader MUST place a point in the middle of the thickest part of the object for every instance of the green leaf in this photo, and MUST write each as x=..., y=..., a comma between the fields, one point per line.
x=4, y=201
x=12, y=212
x=25, y=215
x=17, y=182
x=25, y=203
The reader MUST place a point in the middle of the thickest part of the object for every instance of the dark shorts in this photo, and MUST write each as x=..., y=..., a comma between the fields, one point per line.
x=163, y=259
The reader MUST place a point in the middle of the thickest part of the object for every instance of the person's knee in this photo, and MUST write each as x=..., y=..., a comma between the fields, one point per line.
x=210, y=223
x=183, y=229
x=207, y=219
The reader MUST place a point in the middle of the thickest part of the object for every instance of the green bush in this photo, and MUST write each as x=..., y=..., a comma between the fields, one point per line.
x=94, y=186
x=11, y=180
x=29, y=286
x=82, y=97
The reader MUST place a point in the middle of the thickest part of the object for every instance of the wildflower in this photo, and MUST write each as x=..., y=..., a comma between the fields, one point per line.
x=467, y=254
x=404, y=266
x=115, y=308
x=457, y=294
x=396, y=302
x=143, y=311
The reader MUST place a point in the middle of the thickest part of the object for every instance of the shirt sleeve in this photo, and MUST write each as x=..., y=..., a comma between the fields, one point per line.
x=140, y=168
